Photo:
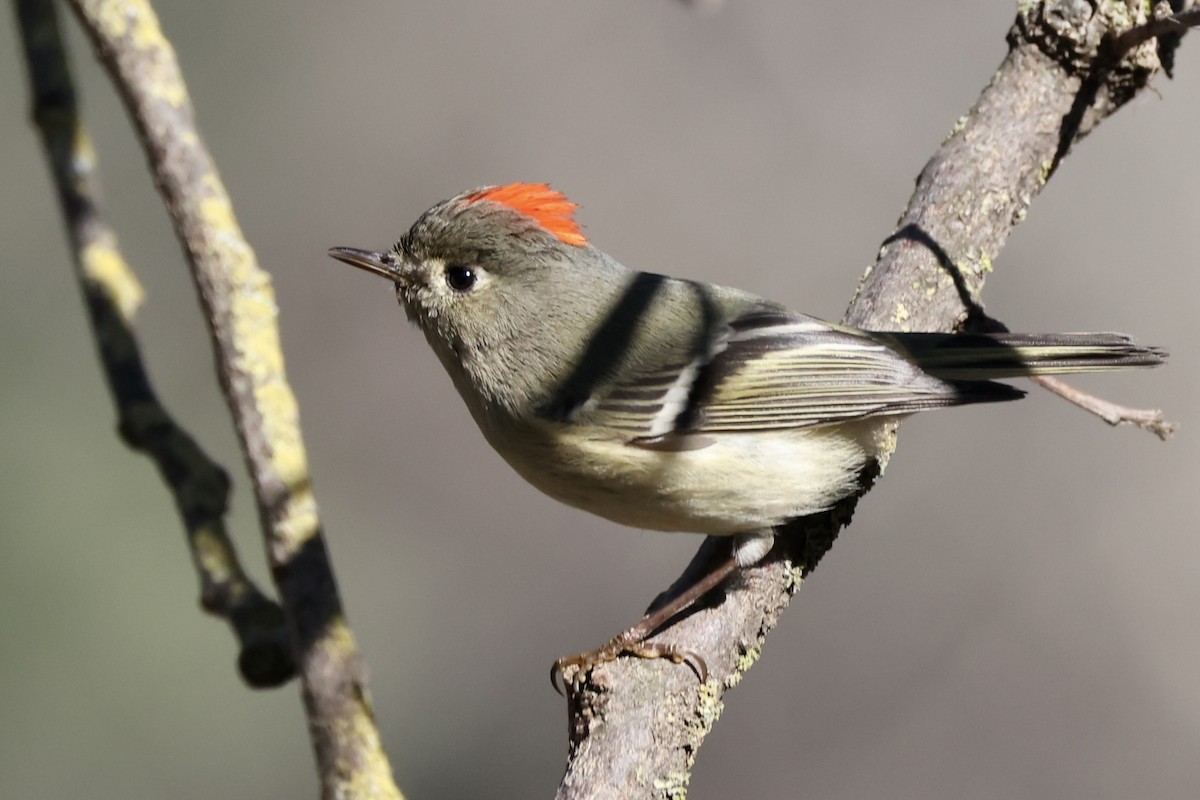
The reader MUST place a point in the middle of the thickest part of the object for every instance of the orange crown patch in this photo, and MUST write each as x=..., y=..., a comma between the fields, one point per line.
x=548, y=208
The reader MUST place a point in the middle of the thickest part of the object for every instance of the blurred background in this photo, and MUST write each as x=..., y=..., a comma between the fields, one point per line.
x=1013, y=612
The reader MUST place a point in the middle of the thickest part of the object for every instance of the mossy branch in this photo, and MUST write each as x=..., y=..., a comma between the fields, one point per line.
x=112, y=295
x=636, y=725
x=239, y=307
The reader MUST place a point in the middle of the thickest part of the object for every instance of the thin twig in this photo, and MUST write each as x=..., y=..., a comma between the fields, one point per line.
x=240, y=309
x=1150, y=419
x=112, y=296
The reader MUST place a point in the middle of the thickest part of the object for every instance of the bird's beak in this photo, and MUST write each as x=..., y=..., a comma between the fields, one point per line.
x=382, y=264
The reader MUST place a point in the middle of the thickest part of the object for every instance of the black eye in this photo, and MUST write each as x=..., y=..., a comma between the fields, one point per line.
x=460, y=278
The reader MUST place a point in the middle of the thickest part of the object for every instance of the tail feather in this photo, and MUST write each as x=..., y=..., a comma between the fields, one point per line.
x=960, y=357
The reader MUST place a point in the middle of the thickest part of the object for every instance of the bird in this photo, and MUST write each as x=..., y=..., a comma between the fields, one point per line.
x=671, y=404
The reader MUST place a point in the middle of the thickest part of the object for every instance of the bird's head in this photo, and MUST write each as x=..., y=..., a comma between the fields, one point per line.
x=494, y=277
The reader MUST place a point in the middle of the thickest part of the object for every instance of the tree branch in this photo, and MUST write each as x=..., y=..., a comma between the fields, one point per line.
x=635, y=726
x=112, y=296
x=239, y=306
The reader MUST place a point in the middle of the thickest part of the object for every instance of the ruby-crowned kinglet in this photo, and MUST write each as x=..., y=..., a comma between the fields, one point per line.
x=671, y=404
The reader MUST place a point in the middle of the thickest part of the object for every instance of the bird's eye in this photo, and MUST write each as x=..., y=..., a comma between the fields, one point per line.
x=460, y=278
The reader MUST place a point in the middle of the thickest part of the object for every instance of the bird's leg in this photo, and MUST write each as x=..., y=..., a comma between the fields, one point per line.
x=713, y=551
x=704, y=573
x=666, y=607
x=633, y=642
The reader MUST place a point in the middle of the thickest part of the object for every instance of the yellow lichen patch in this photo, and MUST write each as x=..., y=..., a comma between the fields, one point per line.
x=370, y=775
x=300, y=521
x=281, y=415
x=672, y=786
x=104, y=267
x=338, y=637
x=83, y=155
x=985, y=262
x=135, y=20
x=1123, y=17
x=927, y=283
x=211, y=550
x=749, y=655
x=959, y=125
x=710, y=706
x=900, y=317
x=113, y=19
x=216, y=212
x=1044, y=171
x=253, y=315
x=140, y=23
x=253, y=312
x=167, y=85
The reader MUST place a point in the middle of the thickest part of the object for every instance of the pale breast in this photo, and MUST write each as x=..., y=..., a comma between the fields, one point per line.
x=732, y=483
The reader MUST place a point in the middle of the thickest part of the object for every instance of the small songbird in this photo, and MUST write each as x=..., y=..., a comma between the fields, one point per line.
x=671, y=404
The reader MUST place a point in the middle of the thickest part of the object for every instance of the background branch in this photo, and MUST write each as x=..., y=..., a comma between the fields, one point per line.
x=112, y=296
x=636, y=725
x=240, y=308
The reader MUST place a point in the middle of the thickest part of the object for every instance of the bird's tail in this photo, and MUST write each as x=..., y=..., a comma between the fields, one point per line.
x=971, y=357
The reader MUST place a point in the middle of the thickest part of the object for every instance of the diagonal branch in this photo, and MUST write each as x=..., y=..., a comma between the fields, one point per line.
x=112, y=295
x=239, y=307
x=635, y=725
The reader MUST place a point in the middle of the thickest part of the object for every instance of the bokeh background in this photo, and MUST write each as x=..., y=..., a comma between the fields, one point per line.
x=1013, y=613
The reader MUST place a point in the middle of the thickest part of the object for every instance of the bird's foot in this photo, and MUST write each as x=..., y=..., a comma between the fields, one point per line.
x=633, y=641
x=629, y=643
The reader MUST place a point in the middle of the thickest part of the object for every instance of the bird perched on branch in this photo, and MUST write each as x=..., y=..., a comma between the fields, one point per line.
x=671, y=404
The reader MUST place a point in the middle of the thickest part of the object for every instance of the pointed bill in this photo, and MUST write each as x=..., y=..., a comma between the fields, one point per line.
x=382, y=264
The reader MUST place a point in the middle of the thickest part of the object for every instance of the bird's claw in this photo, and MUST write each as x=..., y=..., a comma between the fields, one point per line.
x=624, y=646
